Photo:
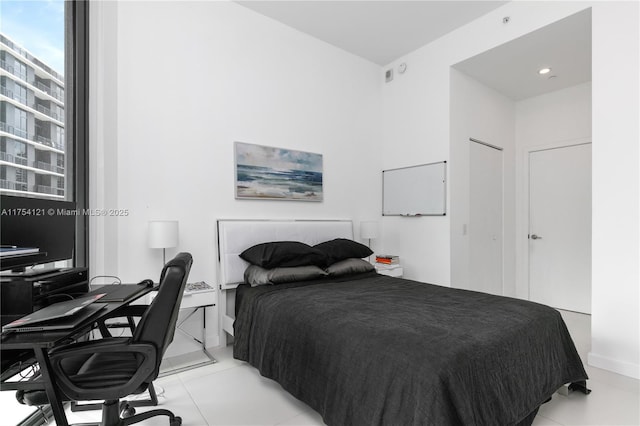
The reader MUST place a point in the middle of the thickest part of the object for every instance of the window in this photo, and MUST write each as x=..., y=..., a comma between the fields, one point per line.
x=19, y=69
x=21, y=176
x=52, y=75
x=42, y=72
x=20, y=149
x=48, y=111
x=20, y=121
x=58, y=112
x=21, y=179
x=20, y=93
x=58, y=139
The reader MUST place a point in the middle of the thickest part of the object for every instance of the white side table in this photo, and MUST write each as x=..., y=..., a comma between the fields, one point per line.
x=389, y=270
x=196, y=300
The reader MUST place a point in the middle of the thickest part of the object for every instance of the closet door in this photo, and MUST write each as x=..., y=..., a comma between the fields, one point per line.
x=485, y=218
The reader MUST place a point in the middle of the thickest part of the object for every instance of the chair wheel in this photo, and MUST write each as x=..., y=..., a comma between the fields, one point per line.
x=127, y=411
x=177, y=421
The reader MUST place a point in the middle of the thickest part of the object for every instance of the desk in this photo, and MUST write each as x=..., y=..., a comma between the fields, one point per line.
x=40, y=343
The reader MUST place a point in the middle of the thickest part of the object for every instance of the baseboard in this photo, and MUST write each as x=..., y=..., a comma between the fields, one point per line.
x=628, y=369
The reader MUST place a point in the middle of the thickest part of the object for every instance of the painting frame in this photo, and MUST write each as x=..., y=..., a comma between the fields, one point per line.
x=272, y=173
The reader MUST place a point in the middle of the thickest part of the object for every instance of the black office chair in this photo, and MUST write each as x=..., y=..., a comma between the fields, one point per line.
x=112, y=368
x=128, y=313
x=127, y=408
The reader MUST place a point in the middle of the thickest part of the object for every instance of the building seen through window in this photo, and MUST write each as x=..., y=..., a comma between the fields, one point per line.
x=33, y=150
x=44, y=128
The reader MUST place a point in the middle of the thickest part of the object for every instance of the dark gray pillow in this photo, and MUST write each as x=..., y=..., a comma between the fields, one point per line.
x=342, y=248
x=349, y=266
x=256, y=275
x=284, y=254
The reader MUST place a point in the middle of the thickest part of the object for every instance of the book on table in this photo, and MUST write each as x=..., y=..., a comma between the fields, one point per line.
x=387, y=259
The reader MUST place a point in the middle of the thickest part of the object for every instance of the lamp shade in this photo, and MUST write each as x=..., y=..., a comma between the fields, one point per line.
x=369, y=230
x=163, y=233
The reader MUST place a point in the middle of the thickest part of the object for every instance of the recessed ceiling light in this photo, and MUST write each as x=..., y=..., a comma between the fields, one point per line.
x=543, y=71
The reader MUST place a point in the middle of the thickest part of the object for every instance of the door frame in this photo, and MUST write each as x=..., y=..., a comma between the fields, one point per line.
x=522, y=233
x=502, y=207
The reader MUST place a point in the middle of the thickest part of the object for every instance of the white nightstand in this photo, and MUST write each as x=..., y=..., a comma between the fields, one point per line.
x=194, y=301
x=389, y=270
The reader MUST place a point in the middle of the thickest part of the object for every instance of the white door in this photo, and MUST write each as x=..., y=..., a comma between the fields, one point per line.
x=485, y=218
x=560, y=227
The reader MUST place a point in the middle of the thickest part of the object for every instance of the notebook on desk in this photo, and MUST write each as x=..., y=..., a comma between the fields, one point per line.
x=59, y=316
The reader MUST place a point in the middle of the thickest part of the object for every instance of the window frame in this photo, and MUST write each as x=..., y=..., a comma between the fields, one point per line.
x=76, y=108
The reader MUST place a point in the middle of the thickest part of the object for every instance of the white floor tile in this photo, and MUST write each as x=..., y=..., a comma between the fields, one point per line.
x=310, y=418
x=224, y=360
x=171, y=396
x=12, y=411
x=612, y=379
x=604, y=406
x=240, y=396
x=187, y=362
x=614, y=400
x=540, y=420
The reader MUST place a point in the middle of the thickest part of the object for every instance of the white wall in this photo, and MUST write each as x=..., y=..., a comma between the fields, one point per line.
x=558, y=118
x=227, y=74
x=615, y=325
x=198, y=76
x=192, y=78
x=418, y=128
x=416, y=109
x=479, y=112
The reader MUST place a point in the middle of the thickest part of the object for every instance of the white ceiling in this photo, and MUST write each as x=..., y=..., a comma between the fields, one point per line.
x=383, y=31
x=512, y=68
x=377, y=30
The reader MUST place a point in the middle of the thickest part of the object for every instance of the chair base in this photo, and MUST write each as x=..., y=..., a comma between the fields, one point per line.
x=111, y=416
x=173, y=419
x=152, y=401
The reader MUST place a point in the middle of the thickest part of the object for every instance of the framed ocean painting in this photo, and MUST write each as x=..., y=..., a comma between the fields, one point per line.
x=267, y=173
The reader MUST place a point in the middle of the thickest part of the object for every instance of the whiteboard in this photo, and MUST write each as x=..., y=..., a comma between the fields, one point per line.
x=415, y=191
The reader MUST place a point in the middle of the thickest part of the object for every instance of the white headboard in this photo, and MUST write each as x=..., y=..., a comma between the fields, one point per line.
x=235, y=236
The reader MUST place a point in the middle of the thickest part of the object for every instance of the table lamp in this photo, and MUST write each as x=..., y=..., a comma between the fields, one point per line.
x=369, y=230
x=163, y=234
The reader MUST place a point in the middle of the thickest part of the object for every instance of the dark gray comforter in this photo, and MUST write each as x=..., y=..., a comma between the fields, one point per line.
x=376, y=350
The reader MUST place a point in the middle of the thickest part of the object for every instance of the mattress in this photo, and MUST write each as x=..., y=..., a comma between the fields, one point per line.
x=378, y=350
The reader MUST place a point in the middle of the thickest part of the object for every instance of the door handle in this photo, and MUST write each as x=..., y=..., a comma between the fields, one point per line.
x=536, y=237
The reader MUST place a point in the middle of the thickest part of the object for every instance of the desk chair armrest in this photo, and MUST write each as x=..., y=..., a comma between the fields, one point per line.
x=78, y=348
x=128, y=312
x=144, y=353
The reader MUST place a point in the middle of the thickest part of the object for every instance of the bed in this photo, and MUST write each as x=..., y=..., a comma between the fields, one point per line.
x=366, y=349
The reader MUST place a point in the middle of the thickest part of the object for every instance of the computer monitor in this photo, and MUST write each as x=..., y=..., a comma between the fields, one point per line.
x=48, y=225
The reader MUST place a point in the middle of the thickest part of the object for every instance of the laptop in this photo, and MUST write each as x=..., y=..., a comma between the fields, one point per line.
x=59, y=316
x=119, y=292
